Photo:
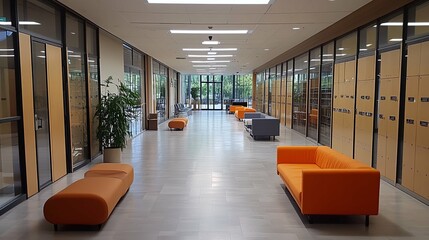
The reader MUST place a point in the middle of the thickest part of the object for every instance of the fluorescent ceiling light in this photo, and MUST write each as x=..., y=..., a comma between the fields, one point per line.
x=296, y=28
x=208, y=66
x=212, y=53
x=20, y=23
x=211, y=59
x=220, y=61
x=393, y=24
x=209, y=31
x=7, y=55
x=341, y=49
x=74, y=56
x=210, y=42
x=395, y=40
x=212, y=68
x=209, y=1
x=209, y=49
x=369, y=45
x=207, y=56
x=7, y=50
x=418, y=24
x=363, y=49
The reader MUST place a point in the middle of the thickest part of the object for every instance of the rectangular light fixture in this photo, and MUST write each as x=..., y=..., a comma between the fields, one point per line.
x=211, y=59
x=208, y=66
x=418, y=24
x=210, y=32
x=207, y=56
x=243, y=2
x=20, y=23
x=212, y=53
x=210, y=42
x=7, y=55
x=395, y=40
x=209, y=49
x=392, y=24
x=7, y=50
x=220, y=61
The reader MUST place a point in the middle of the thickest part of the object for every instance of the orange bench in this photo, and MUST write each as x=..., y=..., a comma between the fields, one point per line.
x=325, y=182
x=177, y=123
x=232, y=108
x=239, y=112
x=91, y=200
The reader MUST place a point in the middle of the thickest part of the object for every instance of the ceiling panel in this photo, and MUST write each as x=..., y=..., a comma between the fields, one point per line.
x=146, y=26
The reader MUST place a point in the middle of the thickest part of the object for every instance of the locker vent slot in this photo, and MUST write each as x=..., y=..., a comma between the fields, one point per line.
x=424, y=124
x=425, y=99
x=410, y=121
x=394, y=98
x=382, y=98
x=392, y=118
x=411, y=99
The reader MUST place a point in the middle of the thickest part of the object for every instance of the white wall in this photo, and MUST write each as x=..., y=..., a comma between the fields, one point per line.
x=111, y=58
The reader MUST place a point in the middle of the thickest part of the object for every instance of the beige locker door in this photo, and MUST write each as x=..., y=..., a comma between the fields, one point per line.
x=348, y=136
x=408, y=161
x=422, y=138
x=395, y=62
x=424, y=62
x=339, y=72
x=421, y=178
x=391, y=147
x=370, y=68
x=381, y=154
x=56, y=112
x=413, y=60
x=383, y=115
x=28, y=114
x=337, y=122
x=362, y=69
x=384, y=65
x=350, y=71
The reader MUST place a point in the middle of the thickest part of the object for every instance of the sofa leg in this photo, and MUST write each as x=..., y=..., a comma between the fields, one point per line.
x=367, y=221
x=55, y=227
x=310, y=219
x=99, y=227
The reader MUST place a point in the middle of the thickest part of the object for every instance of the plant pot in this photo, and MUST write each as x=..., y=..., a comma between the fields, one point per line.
x=112, y=155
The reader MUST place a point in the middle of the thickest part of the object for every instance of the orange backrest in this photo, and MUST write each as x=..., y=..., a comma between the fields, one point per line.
x=327, y=158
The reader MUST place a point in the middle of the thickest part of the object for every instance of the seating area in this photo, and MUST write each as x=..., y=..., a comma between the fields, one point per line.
x=181, y=110
x=240, y=111
x=260, y=125
x=325, y=182
x=91, y=200
x=177, y=123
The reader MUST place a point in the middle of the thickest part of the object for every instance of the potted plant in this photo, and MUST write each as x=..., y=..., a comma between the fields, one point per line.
x=115, y=112
x=195, y=96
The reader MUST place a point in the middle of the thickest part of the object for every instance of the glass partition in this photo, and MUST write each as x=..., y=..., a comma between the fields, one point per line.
x=300, y=94
x=418, y=20
x=326, y=81
x=367, y=40
x=313, y=95
x=391, y=30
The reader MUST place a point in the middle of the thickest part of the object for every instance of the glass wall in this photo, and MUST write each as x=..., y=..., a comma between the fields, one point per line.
x=326, y=82
x=243, y=89
x=94, y=85
x=259, y=98
x=390, y=31
x=77, y=89
x=133, y=80
x=160, y=76
x=300, y=94
x=228, y=89
x=10, y=173
x=313, y=95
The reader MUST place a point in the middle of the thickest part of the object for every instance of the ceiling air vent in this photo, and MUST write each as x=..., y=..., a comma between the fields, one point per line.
x=181, y=58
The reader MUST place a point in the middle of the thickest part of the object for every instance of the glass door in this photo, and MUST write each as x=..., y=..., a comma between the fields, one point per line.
x=41, y=114
x=211, y=93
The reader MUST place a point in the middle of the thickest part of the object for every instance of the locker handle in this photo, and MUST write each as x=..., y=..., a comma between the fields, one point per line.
x=362, y=97
x=347, y=96
x=392, y=118
x=368, y=114
x=381, y=116
x=394, y=98
x=342, y=96
x=362, y=113
x=425, y=99
x=424, y=123
x=410, y=121
x=411, y=99
x=352, y=97
x=382, y=98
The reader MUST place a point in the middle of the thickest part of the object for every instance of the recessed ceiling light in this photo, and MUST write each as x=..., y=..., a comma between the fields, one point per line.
x=395, y=24
x=20, y=23
x=210, y=42
x=418, y=24
x=363, y=49
x=267, y=49
x=220, y=61
x=7, y=50
x=395, y=40
x=341, y=49
x=211, y=58
x=209, y=49
x=296, y=28
x=212, y=68
x=208, y=66
x=210, y=32
x=207, y=56
x=369, y=45
x=212, y=53
x=209, y=1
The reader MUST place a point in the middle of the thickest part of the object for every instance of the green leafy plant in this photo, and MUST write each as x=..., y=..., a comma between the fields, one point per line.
x=115, y=113
x=194, y=92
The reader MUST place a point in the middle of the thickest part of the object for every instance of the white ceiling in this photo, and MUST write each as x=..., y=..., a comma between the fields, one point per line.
x=146, y=27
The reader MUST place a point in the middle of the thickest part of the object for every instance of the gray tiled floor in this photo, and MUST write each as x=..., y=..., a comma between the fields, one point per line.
x=212, y=181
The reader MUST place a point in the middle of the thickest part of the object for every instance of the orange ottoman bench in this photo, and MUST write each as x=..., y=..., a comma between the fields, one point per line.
x=177, y=124
x=88, y=201
x=122, y=171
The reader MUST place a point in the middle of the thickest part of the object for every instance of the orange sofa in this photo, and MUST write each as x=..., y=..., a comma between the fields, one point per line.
x=232, y=108
x=325, y=182
x=178, y=123
x=91, y=200
x=239, y=112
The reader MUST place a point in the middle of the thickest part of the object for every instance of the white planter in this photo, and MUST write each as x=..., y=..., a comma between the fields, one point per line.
x=112, y=155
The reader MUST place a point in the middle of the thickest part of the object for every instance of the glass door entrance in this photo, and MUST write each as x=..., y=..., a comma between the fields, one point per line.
x=211, y=93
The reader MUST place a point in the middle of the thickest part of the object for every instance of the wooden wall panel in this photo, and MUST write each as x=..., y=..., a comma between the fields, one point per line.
x=28, y=114
x=56, y=112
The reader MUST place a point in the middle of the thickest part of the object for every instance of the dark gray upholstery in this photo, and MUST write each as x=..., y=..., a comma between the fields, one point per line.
x=179, y=108
x=263, y=125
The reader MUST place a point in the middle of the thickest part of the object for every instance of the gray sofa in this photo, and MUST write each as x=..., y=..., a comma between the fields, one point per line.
x=262, y=125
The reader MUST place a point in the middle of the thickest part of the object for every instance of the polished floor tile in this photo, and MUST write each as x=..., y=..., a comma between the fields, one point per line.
x=213, y=181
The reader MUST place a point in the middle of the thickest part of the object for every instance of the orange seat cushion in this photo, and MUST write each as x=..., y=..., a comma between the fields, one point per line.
x=177, y=124
x=88, y=201
x=122, y=171
x=292, y=176
x=184, y=119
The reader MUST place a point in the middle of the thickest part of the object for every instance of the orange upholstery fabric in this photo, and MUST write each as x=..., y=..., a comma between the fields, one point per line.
x=88, y=201
x=232, y=108
x=177, y=124
x=122, y=171
x=184, y=119
x=323, y=181
x=239, y=112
